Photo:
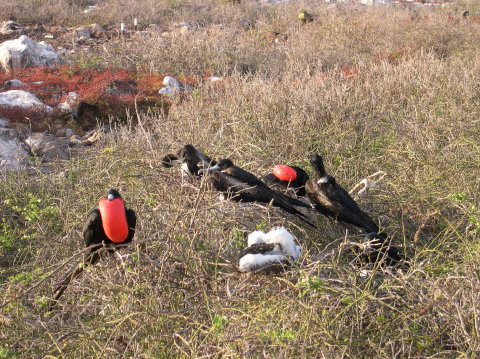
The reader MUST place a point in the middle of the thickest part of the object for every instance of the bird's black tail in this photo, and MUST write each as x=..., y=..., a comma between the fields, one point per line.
x=62, y=287
x=287, y=204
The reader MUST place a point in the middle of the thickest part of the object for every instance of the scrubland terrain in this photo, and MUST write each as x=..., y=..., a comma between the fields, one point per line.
x=370, y=88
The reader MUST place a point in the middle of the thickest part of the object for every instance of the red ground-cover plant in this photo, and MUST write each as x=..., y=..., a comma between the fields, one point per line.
x=111, y=91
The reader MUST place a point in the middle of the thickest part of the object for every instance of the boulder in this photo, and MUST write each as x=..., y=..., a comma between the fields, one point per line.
x=48, y=147
x=11, y=28
x=13, y=152
x=24, y=52
x=22, y=99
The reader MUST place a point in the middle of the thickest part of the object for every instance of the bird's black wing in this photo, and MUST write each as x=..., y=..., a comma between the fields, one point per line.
x=132, y=223
x=93, y=232
x=258, y=248
x=319, y=199
x=239, y=190
x=245, y=176
x=345, y=207
x=297, y=187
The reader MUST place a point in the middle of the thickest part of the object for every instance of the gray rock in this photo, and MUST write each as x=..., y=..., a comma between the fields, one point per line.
x=3, y=123
x=82, y=33
x=48, y=147
x=14, y=154
x=12, y=83
x=23, y=99
x=23, y=52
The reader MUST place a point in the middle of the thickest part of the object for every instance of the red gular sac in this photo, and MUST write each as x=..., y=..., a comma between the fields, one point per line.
x=114, y=220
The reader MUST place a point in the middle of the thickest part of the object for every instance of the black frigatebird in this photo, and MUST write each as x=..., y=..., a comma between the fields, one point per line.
x=241, y=185
x=110, y=224
x=330, y=199
x=189, y=158
x=297, y=185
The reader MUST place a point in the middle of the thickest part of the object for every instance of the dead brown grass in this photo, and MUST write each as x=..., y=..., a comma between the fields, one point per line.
x=175, y=292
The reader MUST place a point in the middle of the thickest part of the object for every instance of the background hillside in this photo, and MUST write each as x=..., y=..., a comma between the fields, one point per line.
x=391, y=88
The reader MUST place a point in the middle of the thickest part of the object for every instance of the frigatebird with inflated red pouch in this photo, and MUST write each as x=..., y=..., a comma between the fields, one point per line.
x=110, y=225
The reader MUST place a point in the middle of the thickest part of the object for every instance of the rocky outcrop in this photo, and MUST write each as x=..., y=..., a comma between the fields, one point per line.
x=22, y=99
x=24, y=52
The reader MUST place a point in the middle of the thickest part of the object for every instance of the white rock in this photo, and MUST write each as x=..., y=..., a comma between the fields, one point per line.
x=13, y=153
x=23, y=99
x=65, y=107
x=72, y=97
x=173, y=86
x=12, y=83
x=23, y=52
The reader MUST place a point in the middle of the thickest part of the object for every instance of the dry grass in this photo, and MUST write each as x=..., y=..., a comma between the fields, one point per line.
x=176, y=292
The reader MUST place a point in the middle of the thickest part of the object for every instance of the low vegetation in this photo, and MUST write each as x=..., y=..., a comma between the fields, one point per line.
x=370, y=88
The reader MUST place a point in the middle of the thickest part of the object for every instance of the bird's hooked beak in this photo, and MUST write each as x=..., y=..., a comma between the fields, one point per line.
x=110, y=197
x=207, y=170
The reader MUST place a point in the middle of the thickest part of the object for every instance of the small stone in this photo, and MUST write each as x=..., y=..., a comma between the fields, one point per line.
x=12, y=83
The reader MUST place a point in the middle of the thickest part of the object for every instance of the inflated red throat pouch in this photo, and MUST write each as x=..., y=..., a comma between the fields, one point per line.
x=284, y=173
x=114, y=219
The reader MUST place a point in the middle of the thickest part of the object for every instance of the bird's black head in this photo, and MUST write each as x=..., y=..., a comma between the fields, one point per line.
x=224, y=164
x=302, y=177
x=317, y=162
x=112, y=194
x=187, y=152
x=466, y=13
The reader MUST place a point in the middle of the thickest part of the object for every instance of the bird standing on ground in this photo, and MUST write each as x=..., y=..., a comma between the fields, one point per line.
x=110, y=224
x=241, y=185
x=189, y=158
x=330, y=199
x=305, y=17
x=272, y=251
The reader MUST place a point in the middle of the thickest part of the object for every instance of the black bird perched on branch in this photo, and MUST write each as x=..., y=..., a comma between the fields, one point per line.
x=330, y=199
x=110, y=224
x=188, y=157
x=241, y=185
